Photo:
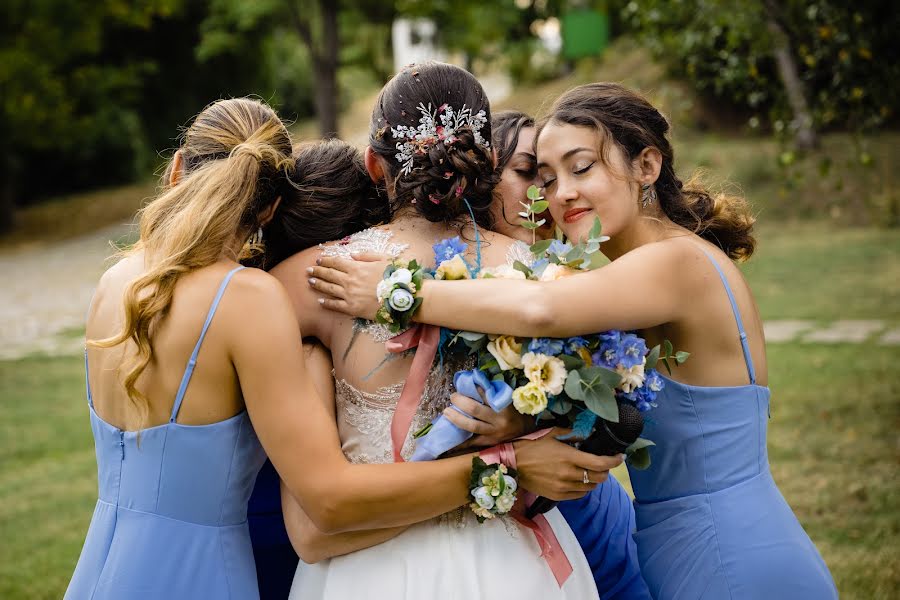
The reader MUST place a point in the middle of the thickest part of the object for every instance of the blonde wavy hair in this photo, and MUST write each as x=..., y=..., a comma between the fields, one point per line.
x=236, y=158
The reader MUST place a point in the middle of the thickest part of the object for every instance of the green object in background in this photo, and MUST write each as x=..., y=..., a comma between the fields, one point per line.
x=584, y=33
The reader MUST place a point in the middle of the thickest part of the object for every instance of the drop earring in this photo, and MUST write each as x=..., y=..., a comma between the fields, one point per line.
x=648, y=195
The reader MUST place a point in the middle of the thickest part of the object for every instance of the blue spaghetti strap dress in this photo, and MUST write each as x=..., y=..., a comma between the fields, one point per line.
x=171, y=518
x=711, y=522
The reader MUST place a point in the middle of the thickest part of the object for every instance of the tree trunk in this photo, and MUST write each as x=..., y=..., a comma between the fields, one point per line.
x=326, y=64
x=806, y=137
x=7, y=194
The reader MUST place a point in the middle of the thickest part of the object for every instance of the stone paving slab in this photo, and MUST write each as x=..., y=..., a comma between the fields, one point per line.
x=786, y=330
x=846, y=331
x=890, y=338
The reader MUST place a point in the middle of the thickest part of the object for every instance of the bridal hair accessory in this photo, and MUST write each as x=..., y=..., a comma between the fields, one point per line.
x=648, y=195
x=441, y=125
x=397, y=294
x=256, y=239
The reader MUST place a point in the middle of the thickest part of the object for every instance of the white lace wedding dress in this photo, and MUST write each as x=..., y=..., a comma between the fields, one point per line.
x=446, y=558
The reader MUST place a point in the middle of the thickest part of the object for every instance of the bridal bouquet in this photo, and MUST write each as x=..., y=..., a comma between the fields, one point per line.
x=578, y=382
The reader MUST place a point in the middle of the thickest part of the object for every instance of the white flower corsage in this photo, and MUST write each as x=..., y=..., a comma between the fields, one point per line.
x=397, y=294
x=493, y=488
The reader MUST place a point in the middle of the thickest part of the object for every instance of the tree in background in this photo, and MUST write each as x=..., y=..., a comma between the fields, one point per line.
x=801, y=65
x=60, y=99
x=93, y=91
x=332, y=32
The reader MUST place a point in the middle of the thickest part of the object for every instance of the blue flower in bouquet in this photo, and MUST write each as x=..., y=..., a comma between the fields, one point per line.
x=538, y=266
x=448, y=248
x=632, y=350
x=607, y=355
x=559, y=248
x=547, y=346
x=573, y=344
x=653, y=381
x=644, y=397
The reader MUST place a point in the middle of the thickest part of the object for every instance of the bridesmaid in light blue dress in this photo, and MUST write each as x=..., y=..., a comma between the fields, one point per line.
x=711, y=521
x=171, y=520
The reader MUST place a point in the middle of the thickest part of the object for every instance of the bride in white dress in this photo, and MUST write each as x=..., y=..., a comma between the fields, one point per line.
x=434, y=182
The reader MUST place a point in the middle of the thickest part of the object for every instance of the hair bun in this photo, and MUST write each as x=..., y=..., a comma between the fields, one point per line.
x=448, y=173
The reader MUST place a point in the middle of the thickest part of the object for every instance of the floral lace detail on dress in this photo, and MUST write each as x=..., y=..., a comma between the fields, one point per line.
x=368, y=240
x=519, y=251
x=370, y=413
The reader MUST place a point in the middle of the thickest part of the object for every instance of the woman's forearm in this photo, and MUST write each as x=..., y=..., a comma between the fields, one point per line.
x=499, y=306
x=312, y=545
x=389, y=495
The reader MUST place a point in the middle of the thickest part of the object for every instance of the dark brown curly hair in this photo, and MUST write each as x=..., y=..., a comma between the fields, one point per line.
x=329, y=196
x=446, y=174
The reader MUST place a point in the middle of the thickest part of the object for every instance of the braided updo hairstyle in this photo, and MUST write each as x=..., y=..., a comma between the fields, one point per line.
x=443, y=173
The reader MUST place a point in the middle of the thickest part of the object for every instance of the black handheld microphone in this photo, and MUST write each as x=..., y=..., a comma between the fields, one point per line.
x=608, y=439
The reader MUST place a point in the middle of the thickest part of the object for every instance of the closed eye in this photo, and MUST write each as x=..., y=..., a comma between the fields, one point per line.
x=585, y=169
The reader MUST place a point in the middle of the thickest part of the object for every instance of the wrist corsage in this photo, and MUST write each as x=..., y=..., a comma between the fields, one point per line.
x=397, y=294
x=493, y=487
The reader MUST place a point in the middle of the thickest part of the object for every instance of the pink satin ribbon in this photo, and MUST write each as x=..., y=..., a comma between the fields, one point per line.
x=425, y=338
x=551, y=549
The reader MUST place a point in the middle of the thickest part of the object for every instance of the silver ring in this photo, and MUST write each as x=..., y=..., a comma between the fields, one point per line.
x=585, y=478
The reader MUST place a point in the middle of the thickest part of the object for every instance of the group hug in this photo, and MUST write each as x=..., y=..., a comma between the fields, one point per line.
x=262, y=365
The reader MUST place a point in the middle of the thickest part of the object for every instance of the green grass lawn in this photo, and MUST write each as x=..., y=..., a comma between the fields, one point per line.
x=833, y=434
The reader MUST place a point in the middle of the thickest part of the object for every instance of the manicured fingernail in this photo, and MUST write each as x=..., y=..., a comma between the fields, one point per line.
x=312, y=281
x=318, y=261
x=321, y=300
x=309, y=270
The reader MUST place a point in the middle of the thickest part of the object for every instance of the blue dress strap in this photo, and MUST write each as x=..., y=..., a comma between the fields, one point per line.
x=189, y=371
x=87, y=380
x=745, y=346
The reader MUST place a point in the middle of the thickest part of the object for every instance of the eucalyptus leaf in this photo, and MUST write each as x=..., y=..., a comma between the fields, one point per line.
x=541, y=222
x=533, y=192
x=560, y=406
x=574, y=254
x=602, y=375
x=653, y=357
x=668, y=367
x=520, y=266
x=639, y=459
x=539, y=248
x=601, y=400
x=596, y=229
x=529, y=225
x=667, y=345
x=571, y=362
x=573, y=386
x=539, y=207
x=638, y=444
x=681, y=356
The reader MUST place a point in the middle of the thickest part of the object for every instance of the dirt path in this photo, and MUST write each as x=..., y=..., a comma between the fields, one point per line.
x=47, y=291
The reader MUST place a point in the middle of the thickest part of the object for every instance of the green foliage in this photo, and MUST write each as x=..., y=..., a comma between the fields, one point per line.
x=726, y=50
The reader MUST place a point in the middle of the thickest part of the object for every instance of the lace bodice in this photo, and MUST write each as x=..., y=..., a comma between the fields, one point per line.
x=364, y=417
